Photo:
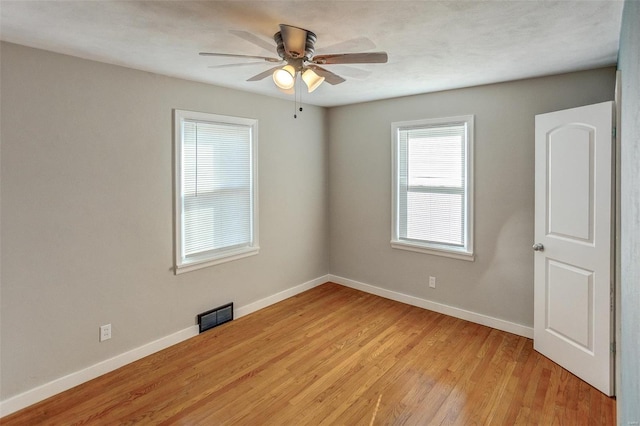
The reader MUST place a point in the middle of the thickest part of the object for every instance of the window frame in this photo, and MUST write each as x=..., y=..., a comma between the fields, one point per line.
x=190, y=263
x=466, y=252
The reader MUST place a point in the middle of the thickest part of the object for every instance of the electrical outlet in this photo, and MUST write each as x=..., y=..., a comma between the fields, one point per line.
x=105, y=332
x=432, y=282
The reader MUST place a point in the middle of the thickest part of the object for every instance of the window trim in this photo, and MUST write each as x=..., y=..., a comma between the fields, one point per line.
x=463, y=253
x=204, y=260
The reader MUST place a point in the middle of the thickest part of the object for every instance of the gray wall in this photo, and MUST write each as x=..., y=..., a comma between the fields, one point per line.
x=500, y=281
x=86, y=184
x=87, y=210
x=629, y=65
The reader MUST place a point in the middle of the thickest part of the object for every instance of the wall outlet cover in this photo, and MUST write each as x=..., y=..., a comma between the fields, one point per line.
x=105, y=332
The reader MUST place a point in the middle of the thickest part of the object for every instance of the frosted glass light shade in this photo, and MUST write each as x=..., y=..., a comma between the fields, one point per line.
x=284, y=77
x=311, y=79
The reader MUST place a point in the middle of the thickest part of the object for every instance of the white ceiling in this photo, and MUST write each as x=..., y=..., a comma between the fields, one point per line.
x=432, y=45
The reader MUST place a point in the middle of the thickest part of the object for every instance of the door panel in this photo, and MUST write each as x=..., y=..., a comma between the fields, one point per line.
x=570, y=304
x=572, y=283
x=570, y=198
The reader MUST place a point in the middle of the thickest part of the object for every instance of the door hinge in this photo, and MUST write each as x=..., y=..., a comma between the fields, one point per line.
x=613, y=348
x=613, y=132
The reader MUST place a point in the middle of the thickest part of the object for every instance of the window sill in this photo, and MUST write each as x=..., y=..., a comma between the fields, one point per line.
x=193, y=265
x=454, y=254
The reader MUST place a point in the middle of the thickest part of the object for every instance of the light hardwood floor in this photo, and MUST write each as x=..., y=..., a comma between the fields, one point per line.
x=335, y=356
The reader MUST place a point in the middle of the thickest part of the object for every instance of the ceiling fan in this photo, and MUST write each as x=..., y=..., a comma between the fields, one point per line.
x=296, y=47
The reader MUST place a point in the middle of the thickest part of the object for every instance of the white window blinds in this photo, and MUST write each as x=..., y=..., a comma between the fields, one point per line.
x=431, y=189
x=216, y=192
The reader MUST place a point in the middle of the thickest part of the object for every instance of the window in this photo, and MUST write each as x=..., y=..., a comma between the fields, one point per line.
x=432, y=186
x=215, y=189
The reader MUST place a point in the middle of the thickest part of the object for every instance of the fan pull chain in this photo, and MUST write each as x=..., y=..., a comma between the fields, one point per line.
x=297, y=99
x=301, y=91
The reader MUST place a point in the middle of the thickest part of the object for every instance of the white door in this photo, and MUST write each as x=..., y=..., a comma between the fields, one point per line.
x=573, y=223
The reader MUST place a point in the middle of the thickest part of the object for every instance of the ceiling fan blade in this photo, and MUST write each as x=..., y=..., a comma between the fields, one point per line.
x=231, y=55
x=263, y=74
x=235, y=65
x=351, y=58
x=329, y=77
x=254, y=39
x=294, y=40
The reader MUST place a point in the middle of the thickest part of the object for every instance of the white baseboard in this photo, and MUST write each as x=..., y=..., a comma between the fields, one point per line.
x=278, y=297
x=477, y=318
x=61, y=384
x=42, y=392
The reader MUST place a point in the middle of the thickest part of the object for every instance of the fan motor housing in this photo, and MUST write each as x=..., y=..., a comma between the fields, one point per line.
x=309, y=48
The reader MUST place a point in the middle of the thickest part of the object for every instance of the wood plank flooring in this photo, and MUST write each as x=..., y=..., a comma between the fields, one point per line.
x=335, y=356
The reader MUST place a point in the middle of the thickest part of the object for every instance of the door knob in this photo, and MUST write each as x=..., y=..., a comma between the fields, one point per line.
x=538, y=247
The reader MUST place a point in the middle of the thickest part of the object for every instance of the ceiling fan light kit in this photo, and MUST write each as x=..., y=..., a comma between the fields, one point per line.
x=311, y=79
x=296, y=47
x=284, y=77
